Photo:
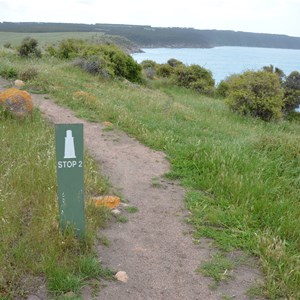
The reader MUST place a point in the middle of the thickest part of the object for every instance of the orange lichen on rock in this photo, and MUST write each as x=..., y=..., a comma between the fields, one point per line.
x=108, y=201
x=16, y=101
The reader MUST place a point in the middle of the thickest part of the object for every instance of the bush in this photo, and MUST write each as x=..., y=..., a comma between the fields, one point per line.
x=67, y=49
x=291, y=92
x=175, y=63
x=149, y=68
x=106, y=60
x=29, y=47
x=194, y=77
x=258, y=94
x=148, y=63
x=95, y=65
x=7, y=45
x=164, y=70
x=223, y=87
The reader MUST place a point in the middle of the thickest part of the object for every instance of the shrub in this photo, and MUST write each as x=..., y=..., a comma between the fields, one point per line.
x=7, y=45
x=222, y=89
x=95, y=65
x=29, y=47
x=258, y=94
x=164, y=70
x=291, y=92
x=106, y=59
x=148, y=63
x=67, y=49
x=123, y=64
x=175, y=63
x=149, y=68
x=277, y=71
x=194, y=77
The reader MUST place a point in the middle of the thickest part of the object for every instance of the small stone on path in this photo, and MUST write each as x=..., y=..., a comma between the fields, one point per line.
x=122, y=276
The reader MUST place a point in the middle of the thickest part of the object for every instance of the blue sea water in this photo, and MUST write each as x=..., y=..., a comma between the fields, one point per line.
x=225, y=61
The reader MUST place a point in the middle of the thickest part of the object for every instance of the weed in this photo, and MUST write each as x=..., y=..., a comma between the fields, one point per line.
x=218, y=268
x=155, y=182
x=103, y=240
x=121, y=218
x=131, y=209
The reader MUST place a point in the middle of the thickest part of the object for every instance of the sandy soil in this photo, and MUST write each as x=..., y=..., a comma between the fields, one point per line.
x=155, y=247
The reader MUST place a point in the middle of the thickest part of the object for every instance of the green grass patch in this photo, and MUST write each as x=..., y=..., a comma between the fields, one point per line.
x=31, y=245
x=131, y=209
x=219, y=268
x=242, y=174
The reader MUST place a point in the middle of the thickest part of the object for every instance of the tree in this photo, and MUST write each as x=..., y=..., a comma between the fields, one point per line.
x=29, y=47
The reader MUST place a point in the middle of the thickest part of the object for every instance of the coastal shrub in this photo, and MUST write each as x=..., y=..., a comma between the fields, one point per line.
x=123, y=64
x=29, y=48
x=107, y=60
x=7, y=45
x=95, y=65
x=275, y=70
x=164, y=70
x=149, y=68
x=291, y=92
x=148, y=63
x=67, y=49
x=258, y=94
x=194, y=77
x=175, y=62
x=223, y=87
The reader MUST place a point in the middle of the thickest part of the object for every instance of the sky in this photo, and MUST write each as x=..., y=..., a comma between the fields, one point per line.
x=262, y=16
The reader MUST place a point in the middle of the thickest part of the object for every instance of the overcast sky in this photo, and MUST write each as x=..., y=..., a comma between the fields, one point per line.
x=265, y=16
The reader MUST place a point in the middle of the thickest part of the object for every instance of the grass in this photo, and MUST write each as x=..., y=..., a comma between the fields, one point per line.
x=242, y=174
x=131, y=209
x=218, y=268
x=31, y=246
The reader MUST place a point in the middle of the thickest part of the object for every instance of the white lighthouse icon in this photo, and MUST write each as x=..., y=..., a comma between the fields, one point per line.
x=69, y=145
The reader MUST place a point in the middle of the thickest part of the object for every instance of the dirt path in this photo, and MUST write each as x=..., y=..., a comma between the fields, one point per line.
x=154, y=247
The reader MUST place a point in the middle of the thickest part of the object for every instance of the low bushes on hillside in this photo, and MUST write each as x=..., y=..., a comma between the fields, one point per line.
x=29, y=48
x=291, y=92
x=192, y=77
x=266, y=94
x=105, y=60
x=258, y=94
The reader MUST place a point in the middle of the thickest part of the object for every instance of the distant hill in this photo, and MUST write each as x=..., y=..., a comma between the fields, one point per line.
x=153, y=37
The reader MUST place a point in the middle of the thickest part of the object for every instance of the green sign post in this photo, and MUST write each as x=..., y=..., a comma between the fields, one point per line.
x=70, y=176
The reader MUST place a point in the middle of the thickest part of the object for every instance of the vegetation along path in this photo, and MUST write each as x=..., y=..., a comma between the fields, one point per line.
x=155, y=247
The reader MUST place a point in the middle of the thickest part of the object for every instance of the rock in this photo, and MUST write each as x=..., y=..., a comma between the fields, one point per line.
x=121, y=276
x=116, y=212
x=17, y=102
x=19, y=83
